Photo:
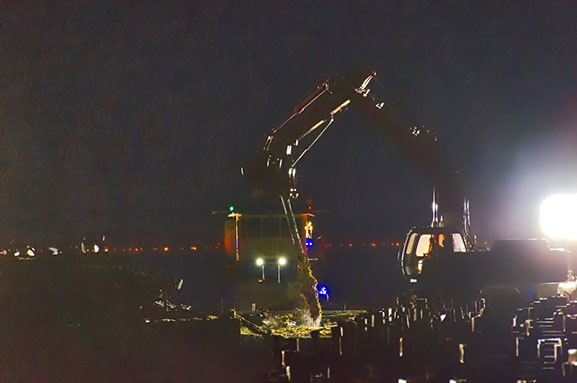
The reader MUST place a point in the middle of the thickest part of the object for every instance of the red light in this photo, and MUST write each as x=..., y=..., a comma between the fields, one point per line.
x=310, y=207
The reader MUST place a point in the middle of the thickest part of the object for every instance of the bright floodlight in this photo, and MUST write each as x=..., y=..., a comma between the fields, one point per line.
x=282, y=261
x=259, y=261
x=559, y=216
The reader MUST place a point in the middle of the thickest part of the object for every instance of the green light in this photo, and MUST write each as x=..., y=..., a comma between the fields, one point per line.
x=231, y=209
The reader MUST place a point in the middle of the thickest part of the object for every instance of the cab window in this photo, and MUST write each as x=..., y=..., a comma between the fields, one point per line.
x=250, y=228
x=458, y=244
x=270, y=227
x=410, y=243
x=423, y=245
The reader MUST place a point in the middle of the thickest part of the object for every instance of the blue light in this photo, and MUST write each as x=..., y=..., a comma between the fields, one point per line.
x=309, y=242
x=323, y=290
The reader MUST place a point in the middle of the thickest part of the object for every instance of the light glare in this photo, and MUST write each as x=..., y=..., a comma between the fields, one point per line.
x=559, y=216
x=282, y=261
x=259, y=261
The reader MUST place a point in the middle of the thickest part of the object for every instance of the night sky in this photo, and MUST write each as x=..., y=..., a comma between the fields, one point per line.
x=133, y=118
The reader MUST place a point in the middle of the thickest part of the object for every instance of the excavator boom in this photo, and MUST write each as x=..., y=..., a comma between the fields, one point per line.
x=273, y=169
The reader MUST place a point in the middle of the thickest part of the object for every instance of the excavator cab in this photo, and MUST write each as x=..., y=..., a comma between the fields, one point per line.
x=425, y=248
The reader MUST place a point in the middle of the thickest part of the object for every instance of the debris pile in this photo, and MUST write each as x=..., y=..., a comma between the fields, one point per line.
x=297, y=324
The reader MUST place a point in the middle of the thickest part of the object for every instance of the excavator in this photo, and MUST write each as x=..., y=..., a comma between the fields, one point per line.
x=431, y=253
x=273, y=169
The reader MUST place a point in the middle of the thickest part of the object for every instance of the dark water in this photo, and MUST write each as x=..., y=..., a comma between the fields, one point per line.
x=358, y=278
x=78, y=318
x=207, y=279
x=361, y=278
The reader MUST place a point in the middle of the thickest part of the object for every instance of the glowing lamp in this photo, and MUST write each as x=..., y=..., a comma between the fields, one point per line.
x=282, y=261
x=231, y=209
x=559, y=216
x=259, y=261
x=323, y=290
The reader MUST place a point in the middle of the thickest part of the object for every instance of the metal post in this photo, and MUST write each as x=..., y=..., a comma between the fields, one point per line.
x=278, y=267
x=236, y=249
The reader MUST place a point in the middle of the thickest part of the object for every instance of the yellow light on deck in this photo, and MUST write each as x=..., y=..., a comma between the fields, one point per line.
x=309, y=229
x=559, y=216
x=259, y=261
x=282, y=261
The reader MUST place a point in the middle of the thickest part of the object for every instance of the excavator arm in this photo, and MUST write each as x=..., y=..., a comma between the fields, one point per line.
x=273, y=169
